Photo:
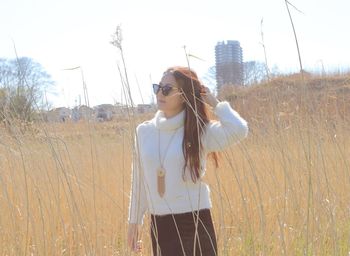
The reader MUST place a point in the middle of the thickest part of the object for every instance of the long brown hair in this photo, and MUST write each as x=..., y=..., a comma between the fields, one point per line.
x=196, y=118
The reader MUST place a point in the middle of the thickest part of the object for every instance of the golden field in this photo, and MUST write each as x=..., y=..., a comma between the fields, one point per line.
x=64, y=188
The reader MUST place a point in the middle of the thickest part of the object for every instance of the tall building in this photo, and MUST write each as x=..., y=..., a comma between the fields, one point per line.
x=228, y=63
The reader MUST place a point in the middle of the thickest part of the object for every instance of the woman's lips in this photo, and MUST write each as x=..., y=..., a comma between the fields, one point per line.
x=161, y=101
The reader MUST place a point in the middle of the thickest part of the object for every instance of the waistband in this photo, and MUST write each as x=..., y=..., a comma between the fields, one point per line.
x=200, y=211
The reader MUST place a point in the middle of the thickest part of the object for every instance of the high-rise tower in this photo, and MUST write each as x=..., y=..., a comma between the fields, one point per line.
x=228, y=63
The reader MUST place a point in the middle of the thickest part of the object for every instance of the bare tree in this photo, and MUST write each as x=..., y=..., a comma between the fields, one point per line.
x=22, y=85
x=254, y=72
x=209, y=78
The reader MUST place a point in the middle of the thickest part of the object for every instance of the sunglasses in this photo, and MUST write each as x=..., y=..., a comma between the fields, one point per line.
x=166, y=89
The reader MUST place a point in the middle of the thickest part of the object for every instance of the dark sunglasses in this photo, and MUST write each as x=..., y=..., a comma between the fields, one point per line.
x=166, y=89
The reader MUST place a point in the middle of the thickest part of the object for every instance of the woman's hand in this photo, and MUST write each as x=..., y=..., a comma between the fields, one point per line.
x=133, y=236
x=209, y=98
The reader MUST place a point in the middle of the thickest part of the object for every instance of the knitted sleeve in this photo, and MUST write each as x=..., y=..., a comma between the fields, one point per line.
x=138, y=200
x=230, y=128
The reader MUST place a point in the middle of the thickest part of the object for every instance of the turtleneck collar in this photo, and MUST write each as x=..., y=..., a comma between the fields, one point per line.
x=172, y=123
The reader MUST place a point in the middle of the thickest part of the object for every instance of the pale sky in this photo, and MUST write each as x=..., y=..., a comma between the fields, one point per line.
x=68, y=33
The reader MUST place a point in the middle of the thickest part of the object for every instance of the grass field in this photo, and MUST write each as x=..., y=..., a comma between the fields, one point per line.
x=283, y=191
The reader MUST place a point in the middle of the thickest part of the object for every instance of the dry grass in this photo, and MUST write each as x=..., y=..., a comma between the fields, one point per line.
x=64, y=187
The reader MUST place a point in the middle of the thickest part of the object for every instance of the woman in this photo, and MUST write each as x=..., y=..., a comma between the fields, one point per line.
x=169, y=163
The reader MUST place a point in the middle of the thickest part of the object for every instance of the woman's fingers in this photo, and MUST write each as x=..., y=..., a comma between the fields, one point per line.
x=132, y=236
x=205, y=91
x=138, y=246
x=208, y=97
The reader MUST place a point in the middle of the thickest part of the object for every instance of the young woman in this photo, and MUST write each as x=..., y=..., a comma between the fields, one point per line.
x=169, y=163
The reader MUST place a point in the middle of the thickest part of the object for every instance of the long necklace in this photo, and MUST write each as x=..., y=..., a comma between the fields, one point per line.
x=161, y=170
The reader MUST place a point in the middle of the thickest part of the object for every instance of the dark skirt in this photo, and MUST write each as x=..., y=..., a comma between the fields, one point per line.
x=175, y=234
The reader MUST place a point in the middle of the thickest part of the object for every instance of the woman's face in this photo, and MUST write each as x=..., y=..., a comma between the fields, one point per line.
x=171, y=104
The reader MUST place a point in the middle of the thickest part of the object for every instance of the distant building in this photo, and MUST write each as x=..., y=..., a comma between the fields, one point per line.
x=61, y=114
x=100, y=113
x=145, y=108
x=228, y=63
x=106, y=112
x=82, y=112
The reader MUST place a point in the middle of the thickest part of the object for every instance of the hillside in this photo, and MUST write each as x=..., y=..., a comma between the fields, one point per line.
x=290, y=98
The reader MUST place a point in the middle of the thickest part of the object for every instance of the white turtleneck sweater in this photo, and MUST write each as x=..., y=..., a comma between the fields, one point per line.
x=181, y=195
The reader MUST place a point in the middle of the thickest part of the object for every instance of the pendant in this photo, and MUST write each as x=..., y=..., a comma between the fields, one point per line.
x=161, y=181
